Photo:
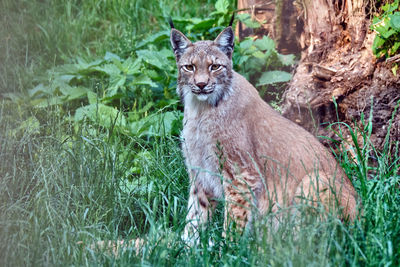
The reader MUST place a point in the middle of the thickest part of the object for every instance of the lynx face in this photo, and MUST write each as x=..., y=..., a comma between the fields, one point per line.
x=205, y=67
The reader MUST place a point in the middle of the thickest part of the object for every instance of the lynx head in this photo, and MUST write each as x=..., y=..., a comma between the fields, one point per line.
x=204, y=67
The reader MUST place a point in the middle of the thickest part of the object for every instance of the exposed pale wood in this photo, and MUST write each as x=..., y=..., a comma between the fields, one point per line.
x=336, y=63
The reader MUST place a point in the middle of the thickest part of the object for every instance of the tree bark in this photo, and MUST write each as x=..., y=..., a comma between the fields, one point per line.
x=337, y=65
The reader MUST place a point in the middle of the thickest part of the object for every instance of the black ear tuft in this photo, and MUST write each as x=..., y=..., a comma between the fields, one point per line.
x=232, y=19
x=179, y=42
x=225, y=41
x=171, y=23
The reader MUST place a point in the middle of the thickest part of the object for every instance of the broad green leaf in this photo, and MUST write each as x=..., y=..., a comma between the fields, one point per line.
x=265, y=43
x=222, y=6
x=110, y=56
x=74, y=92
x=272, y=77
x=204, y=25
x=286, y=60
x=84, y=68
x=109, y=69
x=66, y=78
x=394, y=48
x=161, y=59
x=116, y=78
x=92, y=97
x=143, y=80
x=382, y=26
x=101, y=114
x=116, y=82
x=40, y=88
x=46, y=102
x=243, y=59
x=131, y=66
x=259, y=54
x=386, y=35
x=377, y=44
x=246, y=19
x=395, y=21
x=246, y=44
x=154, y=38
x=151, y=57
x=155, y=125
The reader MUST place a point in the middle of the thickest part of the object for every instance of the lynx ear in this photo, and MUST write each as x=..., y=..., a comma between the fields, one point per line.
x=179, y=43
x=225, y=41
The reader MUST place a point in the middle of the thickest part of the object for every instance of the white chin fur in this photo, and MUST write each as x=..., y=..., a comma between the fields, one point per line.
x=202, y=97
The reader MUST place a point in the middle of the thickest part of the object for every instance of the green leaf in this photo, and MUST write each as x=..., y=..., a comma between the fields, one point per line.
x=154, y=38
x=155, y=125
x=111, y=56
x=158, y=59
x=109, y=69
x=395, y=21
x=246, y=44
x=394, y=69
x=131, y=66
x=394, y=48
x=272, y=77
x=265, y=43
x=286, y=60
x=40, y=88
x=101, y=114
x=389, y=33
x=259, y=54
x=204, y=25
x=246, y=19
x=143, y=80
x=74, y=92
x=222, y=6
x=116, y=82
x=46, y=102
x=377, y=44
x=382, y=26
x=92, y=97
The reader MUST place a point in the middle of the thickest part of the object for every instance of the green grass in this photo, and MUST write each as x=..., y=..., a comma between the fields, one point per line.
x=65, y=185
x=62, y=184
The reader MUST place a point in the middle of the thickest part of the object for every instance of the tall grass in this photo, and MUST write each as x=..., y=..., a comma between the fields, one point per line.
x=64, y=186
x=57, y=191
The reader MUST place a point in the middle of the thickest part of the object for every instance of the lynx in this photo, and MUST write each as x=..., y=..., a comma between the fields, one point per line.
x=238, y=148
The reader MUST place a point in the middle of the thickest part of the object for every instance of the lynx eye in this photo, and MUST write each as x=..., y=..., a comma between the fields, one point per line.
x=188, y=68
x=215, y=67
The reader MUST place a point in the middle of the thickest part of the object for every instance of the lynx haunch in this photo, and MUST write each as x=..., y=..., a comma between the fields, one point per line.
x=264, y=159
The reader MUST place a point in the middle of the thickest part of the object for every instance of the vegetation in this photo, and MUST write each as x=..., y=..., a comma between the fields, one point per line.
x=387, y=27
x=89, y=145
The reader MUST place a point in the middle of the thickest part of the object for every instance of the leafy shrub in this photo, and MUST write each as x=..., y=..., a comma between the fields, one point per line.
x=387, y=27
x=136, y=95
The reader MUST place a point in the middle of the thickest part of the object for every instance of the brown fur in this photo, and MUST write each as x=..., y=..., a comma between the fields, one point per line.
x=264, y=159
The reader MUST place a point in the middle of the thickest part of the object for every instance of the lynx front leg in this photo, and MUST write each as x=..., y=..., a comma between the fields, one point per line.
x=201, y=206
x=238, y=199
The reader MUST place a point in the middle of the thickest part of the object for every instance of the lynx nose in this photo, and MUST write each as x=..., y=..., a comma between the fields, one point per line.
x=201, y=85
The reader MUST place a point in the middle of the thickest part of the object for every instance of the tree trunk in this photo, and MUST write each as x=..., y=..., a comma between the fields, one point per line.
x=337, y=64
